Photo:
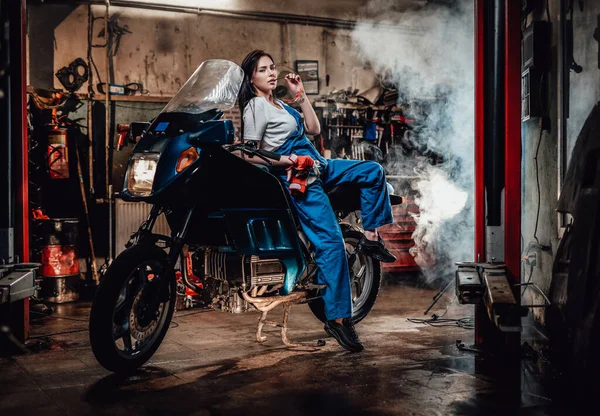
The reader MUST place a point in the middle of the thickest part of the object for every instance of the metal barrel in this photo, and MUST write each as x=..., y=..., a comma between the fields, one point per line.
x=57, y=243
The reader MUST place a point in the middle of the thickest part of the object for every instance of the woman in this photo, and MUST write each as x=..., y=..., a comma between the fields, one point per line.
x=280, y=129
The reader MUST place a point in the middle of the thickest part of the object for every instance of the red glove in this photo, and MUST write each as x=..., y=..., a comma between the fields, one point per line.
x=297, y=186
x=302, y=162
x=298, y=174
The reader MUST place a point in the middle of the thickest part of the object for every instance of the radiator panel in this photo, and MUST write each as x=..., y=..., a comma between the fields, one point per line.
x=129, y=216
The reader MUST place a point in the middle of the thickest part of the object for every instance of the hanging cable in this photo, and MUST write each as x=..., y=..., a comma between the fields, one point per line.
x=440, y=321
x=465, y=323
x=537, y=180
x=544, y=125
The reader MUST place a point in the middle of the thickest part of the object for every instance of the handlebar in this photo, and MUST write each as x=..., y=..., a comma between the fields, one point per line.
x=251, y=150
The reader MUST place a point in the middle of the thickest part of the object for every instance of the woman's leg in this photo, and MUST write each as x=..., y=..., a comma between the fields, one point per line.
x=369, y=176
x=320, y=225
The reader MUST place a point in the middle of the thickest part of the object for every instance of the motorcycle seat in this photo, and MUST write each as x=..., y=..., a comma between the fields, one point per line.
x=346, y=197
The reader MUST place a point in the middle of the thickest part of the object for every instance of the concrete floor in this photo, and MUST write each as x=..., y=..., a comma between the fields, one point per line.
x=209, y=364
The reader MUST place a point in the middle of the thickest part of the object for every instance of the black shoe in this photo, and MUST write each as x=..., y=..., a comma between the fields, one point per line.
x=375, y=249
x=345, y=335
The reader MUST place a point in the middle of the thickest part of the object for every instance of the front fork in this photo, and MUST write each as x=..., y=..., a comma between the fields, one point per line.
x=176, y=247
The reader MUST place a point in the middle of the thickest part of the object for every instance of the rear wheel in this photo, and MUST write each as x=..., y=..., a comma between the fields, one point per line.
x=365, y=279
x=129, y=318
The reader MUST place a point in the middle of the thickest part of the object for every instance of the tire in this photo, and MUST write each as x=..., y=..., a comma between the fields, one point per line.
x=130, y=276
x=363, y=301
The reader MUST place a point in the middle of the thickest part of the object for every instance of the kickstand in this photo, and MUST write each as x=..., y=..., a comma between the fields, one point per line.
x=307, y=346
x=438, y=296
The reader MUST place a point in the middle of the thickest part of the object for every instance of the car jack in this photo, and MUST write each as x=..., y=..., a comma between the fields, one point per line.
x=488, y=283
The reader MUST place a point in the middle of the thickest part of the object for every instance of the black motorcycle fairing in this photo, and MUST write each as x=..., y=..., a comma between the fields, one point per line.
x=156, y=137
x=175, y=124
x=236, y=204
x=346, y=198
x=219, y=179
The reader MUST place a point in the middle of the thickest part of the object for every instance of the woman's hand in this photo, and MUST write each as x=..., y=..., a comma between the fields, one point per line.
x=296, y=88
x=302, y=163
x=294, y=84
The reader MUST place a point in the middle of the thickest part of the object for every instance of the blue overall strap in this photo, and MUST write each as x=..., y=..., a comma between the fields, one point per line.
x=298, y=143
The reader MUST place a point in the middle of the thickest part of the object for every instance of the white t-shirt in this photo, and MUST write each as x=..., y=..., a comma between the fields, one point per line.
x=263, y=121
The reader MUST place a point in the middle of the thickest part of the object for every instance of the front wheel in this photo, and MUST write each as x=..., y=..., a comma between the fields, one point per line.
x=365, y=279
x=129, y=316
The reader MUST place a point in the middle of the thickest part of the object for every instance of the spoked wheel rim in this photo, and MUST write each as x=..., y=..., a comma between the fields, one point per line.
x=135, y=323
x=361, y=273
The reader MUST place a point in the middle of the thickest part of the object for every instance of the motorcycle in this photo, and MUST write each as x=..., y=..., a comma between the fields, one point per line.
x=234, y=235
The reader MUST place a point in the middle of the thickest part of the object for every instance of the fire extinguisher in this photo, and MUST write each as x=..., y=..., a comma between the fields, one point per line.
x=122, y=132
x=57, y=154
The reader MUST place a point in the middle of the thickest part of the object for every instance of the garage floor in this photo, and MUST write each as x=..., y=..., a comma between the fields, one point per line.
x=210, y=364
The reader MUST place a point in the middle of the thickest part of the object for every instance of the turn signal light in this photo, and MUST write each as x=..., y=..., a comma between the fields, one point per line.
x=186, y=158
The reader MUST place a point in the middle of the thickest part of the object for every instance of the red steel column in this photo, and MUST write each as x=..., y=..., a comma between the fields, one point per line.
x=484, y=330
x=512, y=114
x=512, y=154
x=24, y=190
x=24, y=186
x=20, y=321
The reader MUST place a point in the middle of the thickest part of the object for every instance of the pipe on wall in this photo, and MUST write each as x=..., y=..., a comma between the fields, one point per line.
x=286, y=18
x=262, y=16
x=562, y=106
x=285, y=45
x=90, y=132
x=107, y=136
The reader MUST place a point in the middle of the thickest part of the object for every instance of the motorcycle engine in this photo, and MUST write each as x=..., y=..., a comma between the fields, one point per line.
x=235, y=272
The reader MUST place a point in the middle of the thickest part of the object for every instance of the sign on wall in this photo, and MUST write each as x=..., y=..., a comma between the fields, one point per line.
x=309, y=72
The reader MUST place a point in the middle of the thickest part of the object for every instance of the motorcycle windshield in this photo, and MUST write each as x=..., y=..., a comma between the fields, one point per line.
x=213, y=86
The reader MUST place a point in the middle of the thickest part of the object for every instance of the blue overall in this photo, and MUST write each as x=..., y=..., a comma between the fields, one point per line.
x=319, y=222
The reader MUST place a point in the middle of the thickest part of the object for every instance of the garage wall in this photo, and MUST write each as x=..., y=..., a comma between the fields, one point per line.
x=165, y=48
x=584, y=93
x=337, y=9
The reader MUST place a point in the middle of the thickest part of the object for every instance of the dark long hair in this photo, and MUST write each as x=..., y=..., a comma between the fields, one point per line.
x=247, y=91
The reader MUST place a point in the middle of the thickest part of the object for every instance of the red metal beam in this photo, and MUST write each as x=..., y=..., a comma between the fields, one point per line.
x=24, y=191
x=24, y=184
x=20, y=321
x=512, y=115
x=485, y=332
x=479, y=153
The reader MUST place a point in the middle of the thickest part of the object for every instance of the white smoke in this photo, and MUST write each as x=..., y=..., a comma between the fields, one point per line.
x=436, y=186
x=427, y=53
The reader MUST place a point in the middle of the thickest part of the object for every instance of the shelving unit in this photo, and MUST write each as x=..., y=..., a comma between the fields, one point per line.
x=130, y=98
x=355, y=106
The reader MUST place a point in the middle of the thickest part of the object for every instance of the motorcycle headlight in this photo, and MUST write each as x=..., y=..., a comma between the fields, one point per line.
x=140, y=174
